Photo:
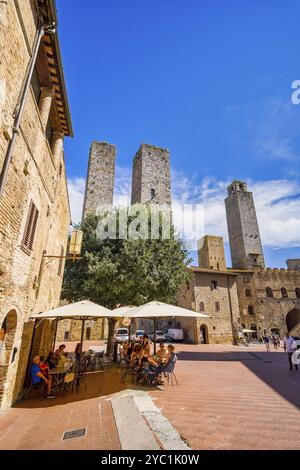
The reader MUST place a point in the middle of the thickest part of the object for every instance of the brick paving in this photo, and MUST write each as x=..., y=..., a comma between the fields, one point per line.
x=228, y=398
x=233, y=398
x=39, y=423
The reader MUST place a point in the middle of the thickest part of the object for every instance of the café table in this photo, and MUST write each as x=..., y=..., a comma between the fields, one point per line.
x=58, y=374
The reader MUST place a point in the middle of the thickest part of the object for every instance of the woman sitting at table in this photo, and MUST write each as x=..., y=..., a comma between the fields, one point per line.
x=171, y=358
x=44, y=366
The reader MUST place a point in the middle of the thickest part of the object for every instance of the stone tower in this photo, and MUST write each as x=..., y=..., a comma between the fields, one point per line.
x=99, y=190
x=211, y=253
x=244, y=238
x=151, y=176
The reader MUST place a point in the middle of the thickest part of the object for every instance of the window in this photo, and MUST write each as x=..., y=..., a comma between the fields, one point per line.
x=250, y=310
x=66, y=335
x=214, y=285
x=297, y=292
x=49, y=132
x=36, y=86
x=248, y=292
x=61, y=260
x=284, y=293
x=269, y=292
x=88, y=333
x=153, y=193
x=246, y=279
x=218, y=308
x=30, y=228
x=202, y=307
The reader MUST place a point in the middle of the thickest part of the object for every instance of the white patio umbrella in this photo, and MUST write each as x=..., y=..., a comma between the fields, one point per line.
x=83, y=310
x=156, y=310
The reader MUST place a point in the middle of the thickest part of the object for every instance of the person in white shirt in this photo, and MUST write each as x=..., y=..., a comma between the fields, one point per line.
x=290, y=348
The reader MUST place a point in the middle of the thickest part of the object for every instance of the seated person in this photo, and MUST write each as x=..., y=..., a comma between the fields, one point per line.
x=171, y=357
x=44, y=366
x=78, y=352
x=37, y=376
x=51, y=361
x=59, y=351
x=162, y=353
x=134, y=358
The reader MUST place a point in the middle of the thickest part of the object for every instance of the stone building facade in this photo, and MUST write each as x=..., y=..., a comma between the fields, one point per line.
x=244, y=237
x=214, y=293
x=34, y=206
x=99, y=190
x=269, y=298
x=211, y=254
x=151, y=176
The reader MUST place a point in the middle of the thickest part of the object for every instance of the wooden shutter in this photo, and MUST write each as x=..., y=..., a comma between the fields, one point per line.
x=30, y=228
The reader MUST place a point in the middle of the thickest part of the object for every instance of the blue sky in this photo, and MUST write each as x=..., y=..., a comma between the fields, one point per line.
x=208, y=79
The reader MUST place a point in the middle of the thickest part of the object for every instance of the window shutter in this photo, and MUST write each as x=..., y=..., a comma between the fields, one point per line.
x=30, y=228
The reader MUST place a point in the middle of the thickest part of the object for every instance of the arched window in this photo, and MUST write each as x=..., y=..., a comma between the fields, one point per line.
x=269, y=292
x=248, y=292
x=250, y=310
x=202, y=307
x=284, y=293
x=297, y=292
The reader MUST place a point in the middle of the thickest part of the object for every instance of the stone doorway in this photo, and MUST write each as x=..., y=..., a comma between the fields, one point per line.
x=203, y=334
x=7, y=350
x=293, y=320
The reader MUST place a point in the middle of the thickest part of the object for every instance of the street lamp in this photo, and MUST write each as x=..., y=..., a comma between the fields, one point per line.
x=73, y=254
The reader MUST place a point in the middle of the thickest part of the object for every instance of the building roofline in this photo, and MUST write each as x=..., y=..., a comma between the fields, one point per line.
x=196, y=269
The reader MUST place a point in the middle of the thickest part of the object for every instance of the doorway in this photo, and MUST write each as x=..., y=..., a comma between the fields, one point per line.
x=203, y=334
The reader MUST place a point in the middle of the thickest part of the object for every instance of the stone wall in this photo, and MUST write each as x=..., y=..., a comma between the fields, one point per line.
x=100, y=178
x=70, y=330
x=36, y=173
x=268, y=312
x=151, y=176
x=211, y=254
x=221, y=304
x=244, y=237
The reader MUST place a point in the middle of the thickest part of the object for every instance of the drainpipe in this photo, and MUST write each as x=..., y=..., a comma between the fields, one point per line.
x=15, y=130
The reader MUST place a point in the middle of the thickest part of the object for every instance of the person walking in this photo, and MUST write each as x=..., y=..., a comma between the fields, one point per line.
x=274, y=341
x=266, y=340
x=290, y=348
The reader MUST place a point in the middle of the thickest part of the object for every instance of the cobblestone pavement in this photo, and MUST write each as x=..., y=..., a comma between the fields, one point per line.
x=228, y=398
x=233, y=397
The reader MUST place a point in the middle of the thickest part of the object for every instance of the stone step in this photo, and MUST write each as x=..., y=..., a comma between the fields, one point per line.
x=134, y=433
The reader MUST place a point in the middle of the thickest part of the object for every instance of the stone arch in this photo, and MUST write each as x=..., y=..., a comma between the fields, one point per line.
x=284, y=293
x=204, y=339
x=292, y=319
x=11, y=323
x=8, y=349
x=269, y=292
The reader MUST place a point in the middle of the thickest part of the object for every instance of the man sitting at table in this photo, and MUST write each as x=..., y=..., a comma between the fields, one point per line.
x=37, y=376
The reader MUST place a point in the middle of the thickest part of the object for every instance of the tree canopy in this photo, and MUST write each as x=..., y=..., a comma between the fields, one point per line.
x=116, y=271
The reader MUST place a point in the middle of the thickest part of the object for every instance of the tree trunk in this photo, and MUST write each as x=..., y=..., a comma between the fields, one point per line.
x=110, y=339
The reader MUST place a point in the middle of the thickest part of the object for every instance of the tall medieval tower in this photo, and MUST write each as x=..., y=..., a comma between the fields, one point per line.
x=151, y=176
x=244, y=237
x=99, y=190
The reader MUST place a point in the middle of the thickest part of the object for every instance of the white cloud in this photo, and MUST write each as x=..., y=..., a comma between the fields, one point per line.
x=76, y=195
x=277, y=204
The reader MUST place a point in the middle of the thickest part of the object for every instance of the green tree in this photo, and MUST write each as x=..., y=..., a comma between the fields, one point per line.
x=115, y=272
